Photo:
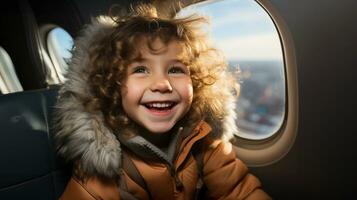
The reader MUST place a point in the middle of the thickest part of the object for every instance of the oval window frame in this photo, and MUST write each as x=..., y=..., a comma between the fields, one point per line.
x=9, y=81
x=274, y=148
x=56, y=71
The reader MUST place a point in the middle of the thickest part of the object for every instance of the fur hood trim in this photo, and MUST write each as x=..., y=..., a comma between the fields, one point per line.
x=83, y=137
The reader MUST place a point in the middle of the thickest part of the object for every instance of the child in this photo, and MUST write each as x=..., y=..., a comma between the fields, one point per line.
x=147, y=112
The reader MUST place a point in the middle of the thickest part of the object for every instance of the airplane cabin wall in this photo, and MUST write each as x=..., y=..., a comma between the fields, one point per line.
x=322, y=162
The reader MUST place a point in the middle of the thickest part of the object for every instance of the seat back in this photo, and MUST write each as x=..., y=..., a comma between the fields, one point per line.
x=20, y=37
x=29, y=167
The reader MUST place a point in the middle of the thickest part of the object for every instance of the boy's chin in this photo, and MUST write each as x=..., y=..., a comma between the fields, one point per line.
x=159, y=129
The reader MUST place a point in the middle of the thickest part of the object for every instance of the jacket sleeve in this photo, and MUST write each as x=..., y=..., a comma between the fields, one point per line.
x=92, y=189
x=226, y=177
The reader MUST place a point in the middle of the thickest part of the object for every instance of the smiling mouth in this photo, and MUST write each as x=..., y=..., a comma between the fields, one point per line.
x=160, y=106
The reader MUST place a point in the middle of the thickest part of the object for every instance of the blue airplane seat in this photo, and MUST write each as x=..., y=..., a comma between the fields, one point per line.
x=29, y=167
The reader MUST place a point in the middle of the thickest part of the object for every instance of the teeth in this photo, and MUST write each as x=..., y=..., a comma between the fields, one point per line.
x=159, y=105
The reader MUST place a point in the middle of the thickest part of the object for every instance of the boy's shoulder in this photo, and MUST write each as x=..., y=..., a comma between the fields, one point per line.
x=218, y=145
x=210, y=142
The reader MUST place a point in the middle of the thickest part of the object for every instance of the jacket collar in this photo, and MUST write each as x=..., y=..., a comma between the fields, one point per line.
x=180, y=144
x=201, y=131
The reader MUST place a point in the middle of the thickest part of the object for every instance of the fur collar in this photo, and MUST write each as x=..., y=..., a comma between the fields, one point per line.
x=82, y=137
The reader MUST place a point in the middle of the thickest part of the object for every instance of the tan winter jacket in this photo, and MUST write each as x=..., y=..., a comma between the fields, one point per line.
x=224, y=175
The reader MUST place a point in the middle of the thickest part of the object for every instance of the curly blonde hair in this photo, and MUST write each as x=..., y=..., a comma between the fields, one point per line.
x=110, y=56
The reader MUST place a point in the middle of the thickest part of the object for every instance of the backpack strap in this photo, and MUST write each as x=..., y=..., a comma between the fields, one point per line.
x=197, y=153
x=132, y=171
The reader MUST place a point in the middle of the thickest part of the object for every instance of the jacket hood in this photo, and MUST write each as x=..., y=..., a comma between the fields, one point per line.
x=81, y=136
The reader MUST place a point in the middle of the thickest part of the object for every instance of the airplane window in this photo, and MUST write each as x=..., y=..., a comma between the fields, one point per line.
x=244, y=31
x=59, y=44
x=8, y=79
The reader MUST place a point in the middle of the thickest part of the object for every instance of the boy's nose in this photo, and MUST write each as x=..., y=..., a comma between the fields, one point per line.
x=161, y=84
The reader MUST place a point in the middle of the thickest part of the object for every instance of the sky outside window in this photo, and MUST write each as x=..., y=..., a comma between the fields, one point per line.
x=241, y=28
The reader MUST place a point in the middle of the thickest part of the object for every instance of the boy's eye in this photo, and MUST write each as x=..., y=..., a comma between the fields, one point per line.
x=177, y=70
x=140, y=69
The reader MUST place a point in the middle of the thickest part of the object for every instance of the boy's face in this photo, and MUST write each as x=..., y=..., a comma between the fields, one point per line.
x=157, y=91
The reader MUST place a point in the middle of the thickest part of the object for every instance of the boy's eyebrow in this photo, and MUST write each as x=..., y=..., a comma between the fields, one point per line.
x=138, y=59
x=177, y=60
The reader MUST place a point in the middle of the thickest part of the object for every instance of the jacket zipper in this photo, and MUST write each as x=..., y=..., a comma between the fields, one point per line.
x=178, y=183
x=173, y=172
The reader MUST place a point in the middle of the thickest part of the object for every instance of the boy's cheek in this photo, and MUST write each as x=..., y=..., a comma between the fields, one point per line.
x=188, y=92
